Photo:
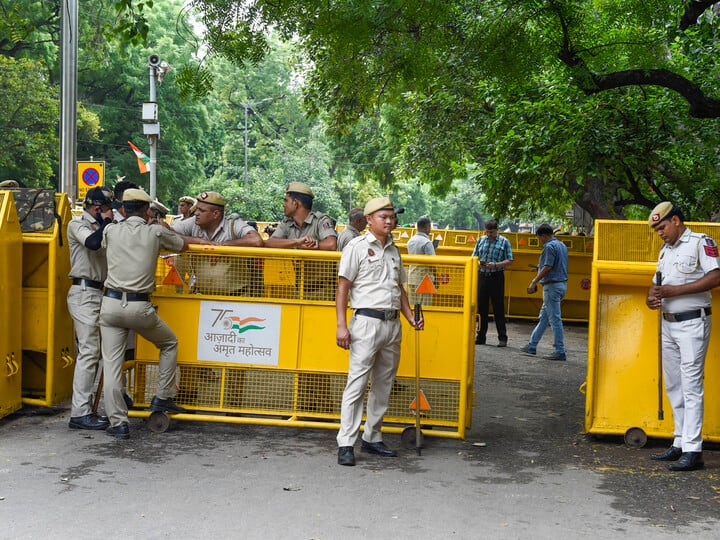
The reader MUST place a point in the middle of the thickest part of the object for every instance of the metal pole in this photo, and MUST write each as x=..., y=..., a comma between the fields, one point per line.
x=246, y=106
x=152, y=139
x=68, y=99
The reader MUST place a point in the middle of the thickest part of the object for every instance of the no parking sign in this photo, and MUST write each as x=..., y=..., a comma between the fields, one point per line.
x=90, y=174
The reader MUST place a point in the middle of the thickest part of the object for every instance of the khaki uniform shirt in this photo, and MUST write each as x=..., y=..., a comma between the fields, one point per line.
x=132, y=251
x=228, y=229
x=376, y=272
x=85, y=263
x=692, y=256
x=347, y=234
x=316, y=225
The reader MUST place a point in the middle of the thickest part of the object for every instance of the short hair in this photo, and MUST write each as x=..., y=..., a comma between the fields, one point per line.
x=121, y=187
x=424, y=222
x=356, y=213
x=491, y=225
x=305, y=200
x=544, y=229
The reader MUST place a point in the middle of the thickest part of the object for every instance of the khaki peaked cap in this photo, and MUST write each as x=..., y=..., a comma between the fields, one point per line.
x=211, y=197
x=299, y=187
x=378, y=203
x=660, y=212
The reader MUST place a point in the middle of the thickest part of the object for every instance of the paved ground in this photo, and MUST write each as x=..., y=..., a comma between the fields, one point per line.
x=537, y=476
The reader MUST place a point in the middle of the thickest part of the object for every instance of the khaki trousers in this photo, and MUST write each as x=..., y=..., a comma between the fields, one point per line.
x=84, y=307
x=117, y=318
x=374, y=356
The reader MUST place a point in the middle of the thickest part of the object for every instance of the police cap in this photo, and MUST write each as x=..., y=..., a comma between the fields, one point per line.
x=299, y=187
x=211, y=197
x=663, y=211
x=378, y=203
x=97, y=197
x=136, y=195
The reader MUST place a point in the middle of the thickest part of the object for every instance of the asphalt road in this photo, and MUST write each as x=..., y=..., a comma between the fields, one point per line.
x=525, y=470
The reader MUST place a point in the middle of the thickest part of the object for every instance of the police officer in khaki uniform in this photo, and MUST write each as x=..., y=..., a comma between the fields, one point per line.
x=302, y=228
x=132, y=250
x=210, y=226
x=371, y=274
x=356, y=224
x=689, y=268
x=186, y=207
x=88, y=269
x=219, y=275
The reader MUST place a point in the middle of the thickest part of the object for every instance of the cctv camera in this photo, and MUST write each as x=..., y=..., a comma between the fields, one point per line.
x=154, y=60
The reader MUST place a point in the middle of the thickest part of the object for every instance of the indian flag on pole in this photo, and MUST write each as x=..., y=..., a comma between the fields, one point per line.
x=143, y=160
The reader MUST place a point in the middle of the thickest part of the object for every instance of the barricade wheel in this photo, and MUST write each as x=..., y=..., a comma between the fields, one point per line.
x=635, y=438
x=158, y=422
x=407, y=438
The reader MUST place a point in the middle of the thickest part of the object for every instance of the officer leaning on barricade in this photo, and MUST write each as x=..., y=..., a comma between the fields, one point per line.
x=132, y=251
x=301, y=227
x=210, y=226
x=88, y=270
x=228, y=275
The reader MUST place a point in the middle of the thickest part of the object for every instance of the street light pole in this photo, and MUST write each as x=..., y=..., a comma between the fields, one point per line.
x=151, y=127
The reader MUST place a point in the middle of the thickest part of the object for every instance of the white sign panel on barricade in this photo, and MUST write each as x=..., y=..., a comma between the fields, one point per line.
x=239, y=333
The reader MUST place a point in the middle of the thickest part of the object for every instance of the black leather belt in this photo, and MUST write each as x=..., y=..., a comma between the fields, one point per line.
x=687, y=315
x=491, y=274
x=382, y=314
x=549, y=282
x=130, y=297
x=88, y=283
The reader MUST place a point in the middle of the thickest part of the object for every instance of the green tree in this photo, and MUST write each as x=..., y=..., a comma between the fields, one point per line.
x=28, y=120
x=436, y=60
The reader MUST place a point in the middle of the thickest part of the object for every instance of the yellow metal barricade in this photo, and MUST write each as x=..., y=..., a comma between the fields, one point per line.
x=10, y=306
x=526, y=249
x=622, y=375
x=257, y=341
x=48, y=349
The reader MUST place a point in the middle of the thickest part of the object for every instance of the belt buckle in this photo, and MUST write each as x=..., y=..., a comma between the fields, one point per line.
x=390, y=315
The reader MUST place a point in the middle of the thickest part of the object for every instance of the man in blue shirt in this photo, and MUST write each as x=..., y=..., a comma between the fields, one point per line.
x=552, y=275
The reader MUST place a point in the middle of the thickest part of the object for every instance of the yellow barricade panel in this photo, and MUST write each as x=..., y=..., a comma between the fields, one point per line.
x=622, y=379
x=47, y=332
x=11, y=307
x=257, y=334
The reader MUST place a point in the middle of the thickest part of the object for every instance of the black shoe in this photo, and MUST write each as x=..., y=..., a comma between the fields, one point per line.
x=346, y=456
x=527, y=350
x=128, y=401
x=121, y=431
x=502, y=343
x=377, y=448
x=479, y=340
x=671, y=454
x=556, y=356
x=689, y=461
x=89, y=421
x=165, y=405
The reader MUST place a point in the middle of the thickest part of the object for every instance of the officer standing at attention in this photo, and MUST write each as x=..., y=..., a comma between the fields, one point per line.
x=689, y=268
x=356, y=224
x=132, y=250
x=420, y=244
x=371, y=275
x=301, y=227
x=88, y=269
x=210, y=225
x=494, y=255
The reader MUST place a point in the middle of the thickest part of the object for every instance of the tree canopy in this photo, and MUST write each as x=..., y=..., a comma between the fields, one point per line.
x=595, y=102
